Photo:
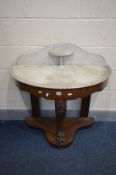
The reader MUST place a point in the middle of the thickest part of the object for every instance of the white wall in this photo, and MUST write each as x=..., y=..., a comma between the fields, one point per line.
x=27, y=25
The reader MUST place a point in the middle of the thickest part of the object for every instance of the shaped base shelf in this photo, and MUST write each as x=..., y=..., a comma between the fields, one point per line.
x=60, y=133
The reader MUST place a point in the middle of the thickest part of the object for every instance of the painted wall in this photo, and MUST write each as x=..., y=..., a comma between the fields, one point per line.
x=28, y=25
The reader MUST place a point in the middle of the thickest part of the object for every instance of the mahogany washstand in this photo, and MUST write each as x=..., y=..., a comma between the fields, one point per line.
x=54, y=85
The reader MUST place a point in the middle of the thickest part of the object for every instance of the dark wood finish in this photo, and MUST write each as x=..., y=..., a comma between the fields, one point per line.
x=70, y=127
x=85, y=103
x=76, y=93
x=60, y=131
x=35, y=106
x=60, y=110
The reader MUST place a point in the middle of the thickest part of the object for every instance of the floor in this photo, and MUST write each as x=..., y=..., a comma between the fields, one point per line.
x=25, y=151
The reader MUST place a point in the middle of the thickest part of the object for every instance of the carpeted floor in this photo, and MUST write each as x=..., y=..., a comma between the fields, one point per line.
x=25, y=151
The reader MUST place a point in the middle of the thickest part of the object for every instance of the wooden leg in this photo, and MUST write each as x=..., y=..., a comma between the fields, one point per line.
x=85, y=106
x=35, y=106
x=60, y=110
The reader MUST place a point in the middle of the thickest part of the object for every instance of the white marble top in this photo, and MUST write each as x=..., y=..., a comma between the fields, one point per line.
x=60, y=77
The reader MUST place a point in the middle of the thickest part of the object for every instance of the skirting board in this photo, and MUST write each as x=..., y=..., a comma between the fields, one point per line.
x=16, y=114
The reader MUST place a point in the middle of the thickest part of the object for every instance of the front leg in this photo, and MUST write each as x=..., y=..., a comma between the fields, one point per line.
x=60, y=110
x=35, y=106
x=85, y=104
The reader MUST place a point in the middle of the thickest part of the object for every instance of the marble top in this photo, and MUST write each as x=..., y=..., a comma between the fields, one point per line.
x=61, y=77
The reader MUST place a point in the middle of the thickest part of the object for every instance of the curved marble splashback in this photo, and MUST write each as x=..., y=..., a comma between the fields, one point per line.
x=79, y=56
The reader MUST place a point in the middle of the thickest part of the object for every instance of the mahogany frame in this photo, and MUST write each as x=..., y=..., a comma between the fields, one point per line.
x=60, y=130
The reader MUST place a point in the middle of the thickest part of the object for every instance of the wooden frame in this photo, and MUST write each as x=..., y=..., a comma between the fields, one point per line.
x=60, y=130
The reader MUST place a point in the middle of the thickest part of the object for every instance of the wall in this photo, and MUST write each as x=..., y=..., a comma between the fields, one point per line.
x=28, y=25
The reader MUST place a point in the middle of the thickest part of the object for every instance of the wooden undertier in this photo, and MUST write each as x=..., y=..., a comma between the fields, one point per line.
x=60, y=133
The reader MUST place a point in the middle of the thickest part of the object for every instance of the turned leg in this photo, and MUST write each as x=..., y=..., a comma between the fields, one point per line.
x=35, y=106
x=85, y=106
x=60, y=108
x=60, y=111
